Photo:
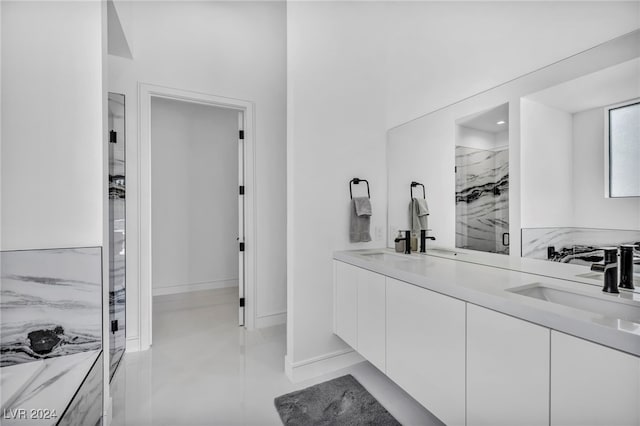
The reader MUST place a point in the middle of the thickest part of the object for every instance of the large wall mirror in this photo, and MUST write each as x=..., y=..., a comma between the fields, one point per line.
x=544, y=166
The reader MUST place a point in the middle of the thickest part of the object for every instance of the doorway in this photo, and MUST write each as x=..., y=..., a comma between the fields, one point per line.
x=196, y=198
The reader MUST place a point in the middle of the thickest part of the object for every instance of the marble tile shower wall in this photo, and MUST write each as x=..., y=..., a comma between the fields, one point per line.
x=482, y=199
x=50, y=303
x=573, y=245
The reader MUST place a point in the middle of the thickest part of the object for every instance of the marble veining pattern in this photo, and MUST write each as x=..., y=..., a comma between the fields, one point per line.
x=86, y=406
x=52, y=387
x=573, y=245
x=50, y=303
x=482, y=199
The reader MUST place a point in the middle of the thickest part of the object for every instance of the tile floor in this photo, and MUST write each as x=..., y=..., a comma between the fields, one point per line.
x=205, y=370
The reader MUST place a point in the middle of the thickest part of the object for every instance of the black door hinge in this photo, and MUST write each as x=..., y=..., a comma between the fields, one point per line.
x=241, y=134
x=241, y=246
x=241, y=189
x=242, y=302
x=455, y=169
x=113, y=136
x=114, y=326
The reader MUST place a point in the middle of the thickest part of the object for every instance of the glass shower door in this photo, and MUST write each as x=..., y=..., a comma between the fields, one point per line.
x=117, y=230
x=482, y=199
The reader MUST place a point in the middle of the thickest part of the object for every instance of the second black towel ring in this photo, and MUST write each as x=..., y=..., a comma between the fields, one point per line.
x=414, y=184
x=357, y=181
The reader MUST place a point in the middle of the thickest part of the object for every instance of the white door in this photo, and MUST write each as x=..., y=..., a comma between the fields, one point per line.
x=241, y=236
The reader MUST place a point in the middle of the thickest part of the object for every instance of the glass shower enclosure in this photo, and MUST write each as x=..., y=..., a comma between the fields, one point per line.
x=117, y=230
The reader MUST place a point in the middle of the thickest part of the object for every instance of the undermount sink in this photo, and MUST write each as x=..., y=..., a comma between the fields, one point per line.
x=607, y=305
x=387, y=257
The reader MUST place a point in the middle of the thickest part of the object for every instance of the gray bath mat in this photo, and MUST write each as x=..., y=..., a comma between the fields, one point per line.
x=341, y=401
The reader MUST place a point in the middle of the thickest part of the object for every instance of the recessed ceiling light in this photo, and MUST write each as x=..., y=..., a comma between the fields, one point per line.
x=501, y=122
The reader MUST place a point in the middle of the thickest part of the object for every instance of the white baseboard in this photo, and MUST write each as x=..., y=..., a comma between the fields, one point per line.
x=132, y=344
x=107, y=415
x=187, y=287
x=314, y=367
x=271, y=320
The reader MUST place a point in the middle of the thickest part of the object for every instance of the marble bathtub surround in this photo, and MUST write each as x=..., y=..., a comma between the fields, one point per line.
x=50, y=384
x=573, y=245
x=51, y=303
x=86, y=406
x=482, y=199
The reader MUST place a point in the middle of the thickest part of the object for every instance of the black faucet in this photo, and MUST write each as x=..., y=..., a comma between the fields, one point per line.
x=610, y=270
x=626, y=266
x=423, y=240
x=407, y=242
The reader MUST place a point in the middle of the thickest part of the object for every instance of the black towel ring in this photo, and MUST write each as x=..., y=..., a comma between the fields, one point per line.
x=414, y=184
x=357, y=181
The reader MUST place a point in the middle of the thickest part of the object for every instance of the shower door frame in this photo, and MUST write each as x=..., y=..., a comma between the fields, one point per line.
x=246, y=220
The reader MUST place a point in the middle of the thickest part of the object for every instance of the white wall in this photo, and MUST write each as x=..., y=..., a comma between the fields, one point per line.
x=52, y=112
x=546, y=173
x=479, y=139
x=502, y=139
x=232, y=49
x=591, y=208
x=441, y=52
x=336, y=131
x=124, y=11
x=194, y=170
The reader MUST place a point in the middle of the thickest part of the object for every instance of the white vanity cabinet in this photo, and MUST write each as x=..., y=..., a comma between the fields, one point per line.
x=592, y=384
x=470, y=365
x=345, y=320
x=371, y=317
x=426, y=348
x=507, y=370
x=360, y=311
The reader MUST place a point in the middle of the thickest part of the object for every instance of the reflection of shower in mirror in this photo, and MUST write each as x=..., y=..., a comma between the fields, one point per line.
x=482, y=181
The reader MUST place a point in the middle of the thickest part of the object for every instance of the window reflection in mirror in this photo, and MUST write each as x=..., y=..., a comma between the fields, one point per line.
x=482, y=181
x=623, y=139
x=569, y=206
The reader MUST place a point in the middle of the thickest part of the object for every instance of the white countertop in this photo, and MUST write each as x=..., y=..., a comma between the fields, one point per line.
x=565, y=271
x=486, y=286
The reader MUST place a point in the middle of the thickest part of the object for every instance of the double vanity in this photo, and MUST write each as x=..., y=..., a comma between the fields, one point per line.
x=514, y=342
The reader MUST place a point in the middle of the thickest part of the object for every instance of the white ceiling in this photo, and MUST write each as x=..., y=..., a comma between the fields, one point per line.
x=487, y=120
x=611, y=85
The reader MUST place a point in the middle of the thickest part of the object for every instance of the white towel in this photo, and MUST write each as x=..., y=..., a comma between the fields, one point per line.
x=418, y=215
x=423, y=208
x=363, y=206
